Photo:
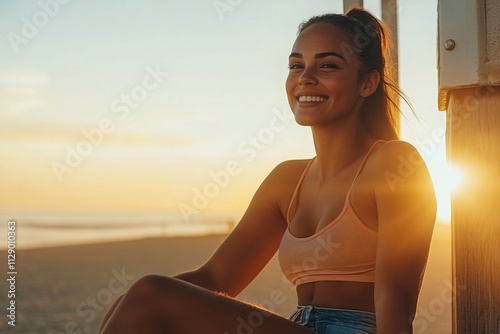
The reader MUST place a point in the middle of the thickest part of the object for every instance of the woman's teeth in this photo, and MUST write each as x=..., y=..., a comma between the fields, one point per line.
x=311, y=99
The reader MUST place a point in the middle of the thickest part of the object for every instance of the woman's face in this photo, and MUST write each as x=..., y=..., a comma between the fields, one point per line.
x=322, y=84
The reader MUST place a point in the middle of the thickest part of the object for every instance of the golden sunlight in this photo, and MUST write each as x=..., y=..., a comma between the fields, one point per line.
x=447, y=180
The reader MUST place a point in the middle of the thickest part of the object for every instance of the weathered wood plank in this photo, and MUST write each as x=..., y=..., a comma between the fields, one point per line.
x=473, y=145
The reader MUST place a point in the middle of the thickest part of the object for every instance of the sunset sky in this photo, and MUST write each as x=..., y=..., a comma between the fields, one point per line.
x=170, y=107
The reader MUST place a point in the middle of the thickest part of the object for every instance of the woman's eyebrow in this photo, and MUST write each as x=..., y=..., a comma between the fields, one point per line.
x=318, y=55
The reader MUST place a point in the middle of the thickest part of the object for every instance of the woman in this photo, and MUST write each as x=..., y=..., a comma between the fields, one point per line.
x=353, y=225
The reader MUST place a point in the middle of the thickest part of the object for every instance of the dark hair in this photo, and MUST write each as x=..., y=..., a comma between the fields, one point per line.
x=371, y=45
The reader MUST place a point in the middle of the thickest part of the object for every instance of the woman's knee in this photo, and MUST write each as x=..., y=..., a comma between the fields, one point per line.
x=151, y=286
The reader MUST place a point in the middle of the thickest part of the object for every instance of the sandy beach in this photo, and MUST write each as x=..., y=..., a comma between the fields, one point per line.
x=67, y=289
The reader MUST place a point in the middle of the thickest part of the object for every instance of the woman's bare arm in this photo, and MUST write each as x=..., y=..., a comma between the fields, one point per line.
x=406, y=214
x=255, y=239
x=246, y=250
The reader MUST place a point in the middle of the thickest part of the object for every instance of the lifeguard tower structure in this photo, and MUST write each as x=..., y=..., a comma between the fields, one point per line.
x=468, y=41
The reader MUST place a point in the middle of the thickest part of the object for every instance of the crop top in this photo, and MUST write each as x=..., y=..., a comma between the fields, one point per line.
x=343, y=250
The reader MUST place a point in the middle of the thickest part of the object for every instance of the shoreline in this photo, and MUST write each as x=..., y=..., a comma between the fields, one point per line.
x=74, y=285
x=112, y=241
x=68, y=239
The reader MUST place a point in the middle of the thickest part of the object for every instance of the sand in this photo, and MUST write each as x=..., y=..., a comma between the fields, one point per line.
x=67, y=289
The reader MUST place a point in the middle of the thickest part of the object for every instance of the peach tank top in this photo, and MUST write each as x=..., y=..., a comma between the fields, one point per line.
x=343, y=250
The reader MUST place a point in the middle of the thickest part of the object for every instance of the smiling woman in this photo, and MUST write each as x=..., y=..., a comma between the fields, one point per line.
x=363, y=71
x=79, y=68
x=378, y=233
x=171, y=145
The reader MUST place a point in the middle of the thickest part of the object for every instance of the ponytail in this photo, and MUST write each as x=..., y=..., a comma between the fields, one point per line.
x=371, y=44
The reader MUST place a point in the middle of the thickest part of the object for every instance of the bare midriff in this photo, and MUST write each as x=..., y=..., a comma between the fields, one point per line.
x=338, y=294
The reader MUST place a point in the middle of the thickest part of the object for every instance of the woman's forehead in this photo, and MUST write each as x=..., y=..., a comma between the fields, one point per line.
x=320, y=36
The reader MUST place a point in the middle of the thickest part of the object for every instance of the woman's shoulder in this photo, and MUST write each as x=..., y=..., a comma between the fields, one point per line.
x=289, y=170
x=396, y=145
x=394, y=152
x=292, y=165
x=279, y=185
x=398, y=163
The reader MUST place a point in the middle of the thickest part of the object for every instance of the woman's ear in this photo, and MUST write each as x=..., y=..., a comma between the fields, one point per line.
x=370, y=83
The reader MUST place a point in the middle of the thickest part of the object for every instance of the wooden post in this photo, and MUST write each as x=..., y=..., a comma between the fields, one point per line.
x=350, y=4
x=390, y=17
x=469, y=75
x=473, y=145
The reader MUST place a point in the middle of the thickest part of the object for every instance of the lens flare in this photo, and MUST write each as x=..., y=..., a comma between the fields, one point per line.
x=447, y=180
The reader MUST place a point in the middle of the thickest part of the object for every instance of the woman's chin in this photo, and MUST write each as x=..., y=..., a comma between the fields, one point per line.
x=305, y=120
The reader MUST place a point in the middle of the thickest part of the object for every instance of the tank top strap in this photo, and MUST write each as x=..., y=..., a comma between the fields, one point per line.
x=361, y=165
x=294, y=195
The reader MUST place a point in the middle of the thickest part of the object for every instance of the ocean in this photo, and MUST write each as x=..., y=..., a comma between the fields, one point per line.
x=47, y=230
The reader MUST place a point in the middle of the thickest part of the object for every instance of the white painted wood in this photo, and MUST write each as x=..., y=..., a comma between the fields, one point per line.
x=474, y=27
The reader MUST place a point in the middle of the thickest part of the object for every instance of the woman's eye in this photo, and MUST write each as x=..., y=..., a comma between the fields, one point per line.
x=330, y=66
x=294, y=66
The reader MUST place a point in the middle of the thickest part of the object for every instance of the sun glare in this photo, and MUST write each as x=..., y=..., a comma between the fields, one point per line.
x=447, y=180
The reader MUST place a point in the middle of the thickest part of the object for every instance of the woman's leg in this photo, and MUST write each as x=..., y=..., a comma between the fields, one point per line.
x=108, y=314
x=158, y=304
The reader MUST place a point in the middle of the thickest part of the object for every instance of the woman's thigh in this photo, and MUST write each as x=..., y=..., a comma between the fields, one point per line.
x=158, y=304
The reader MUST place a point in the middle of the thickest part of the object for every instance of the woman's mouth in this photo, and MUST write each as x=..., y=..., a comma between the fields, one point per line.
x=310, y=98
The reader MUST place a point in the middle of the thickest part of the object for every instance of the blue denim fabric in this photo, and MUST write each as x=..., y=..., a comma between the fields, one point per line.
x=334, y=321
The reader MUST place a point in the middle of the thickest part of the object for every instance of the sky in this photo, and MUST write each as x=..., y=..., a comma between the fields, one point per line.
x=171, y=108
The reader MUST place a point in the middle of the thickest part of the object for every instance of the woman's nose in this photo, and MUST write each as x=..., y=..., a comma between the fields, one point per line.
x=308, y=77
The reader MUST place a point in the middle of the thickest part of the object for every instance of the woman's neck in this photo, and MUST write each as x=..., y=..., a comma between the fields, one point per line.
x=337, y=148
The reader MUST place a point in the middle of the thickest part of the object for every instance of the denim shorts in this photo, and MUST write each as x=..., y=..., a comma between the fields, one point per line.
x=334, y=321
